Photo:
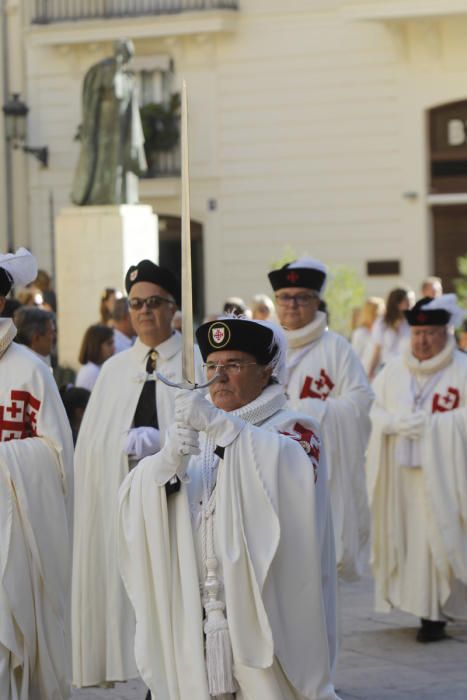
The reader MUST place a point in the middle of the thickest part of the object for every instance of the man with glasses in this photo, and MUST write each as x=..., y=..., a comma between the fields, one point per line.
x=125, y=420
x=417, y=484
x=325, y=380
x=233, y=578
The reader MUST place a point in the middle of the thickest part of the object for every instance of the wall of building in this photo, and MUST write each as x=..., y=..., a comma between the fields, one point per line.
x=307, y=127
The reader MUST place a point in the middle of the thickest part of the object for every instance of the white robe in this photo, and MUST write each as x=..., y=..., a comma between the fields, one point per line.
x=327, y=381
x=419, y=512
x=102, y=617
x=36, y=496
x=275, y=547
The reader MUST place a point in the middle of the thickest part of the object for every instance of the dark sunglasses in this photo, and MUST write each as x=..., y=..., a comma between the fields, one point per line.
x=153, y=302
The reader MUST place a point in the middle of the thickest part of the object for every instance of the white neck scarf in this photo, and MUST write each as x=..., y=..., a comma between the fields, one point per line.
x=434, y=364
x=309, y=333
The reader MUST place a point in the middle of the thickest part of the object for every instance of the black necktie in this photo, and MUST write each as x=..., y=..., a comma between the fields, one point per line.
x=146, y=410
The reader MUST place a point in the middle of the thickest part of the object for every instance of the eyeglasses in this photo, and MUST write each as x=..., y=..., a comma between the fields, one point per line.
x=299, y=299
x=229, y=368
x=153, y=302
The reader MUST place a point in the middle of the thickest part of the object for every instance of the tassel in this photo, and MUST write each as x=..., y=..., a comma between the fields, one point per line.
x=219, y=660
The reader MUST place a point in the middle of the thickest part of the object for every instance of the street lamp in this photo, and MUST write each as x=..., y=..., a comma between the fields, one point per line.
x=15, y=111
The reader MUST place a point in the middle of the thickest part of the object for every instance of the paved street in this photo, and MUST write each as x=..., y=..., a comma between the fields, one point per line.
x=379, y=658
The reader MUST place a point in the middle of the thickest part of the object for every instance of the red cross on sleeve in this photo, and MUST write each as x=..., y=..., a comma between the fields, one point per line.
x=310, y=443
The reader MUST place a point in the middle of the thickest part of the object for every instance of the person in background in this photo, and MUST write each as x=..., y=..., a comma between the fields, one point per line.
x=463, y=337
x=326, y=381
x=43, y=284
x=372, y=309
x=432, y=287
x=36, y=330
x=26, y=296
x=75, y=399
x=262, y=308
x=235, y=306
x=36, y=513
x=390, y=331
x=416, y=473
x=108, y=298
x=124, y=333
x=97, y=346
x=126, y=419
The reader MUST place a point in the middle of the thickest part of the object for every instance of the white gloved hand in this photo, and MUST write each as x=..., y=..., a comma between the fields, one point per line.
x=142, y=442
x=181, y=442
x=410, y=425
x=413, y=426
x=193, y=409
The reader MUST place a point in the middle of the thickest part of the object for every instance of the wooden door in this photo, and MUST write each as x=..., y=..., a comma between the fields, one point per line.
x=450, y=241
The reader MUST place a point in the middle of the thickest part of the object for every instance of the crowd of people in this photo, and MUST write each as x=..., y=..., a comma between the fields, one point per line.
x=196, y=538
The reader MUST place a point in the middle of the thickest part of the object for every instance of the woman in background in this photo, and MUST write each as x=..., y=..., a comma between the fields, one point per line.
x=108, y=297
x=96, y=348
x=372, y=309
x=262, y=308
x=388, y=333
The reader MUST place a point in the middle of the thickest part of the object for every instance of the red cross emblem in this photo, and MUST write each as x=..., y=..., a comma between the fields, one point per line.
x=18, y=419
x=293, y=277
x=448, y=402
x=219, y=335
x=317, y=388
x=421, y=318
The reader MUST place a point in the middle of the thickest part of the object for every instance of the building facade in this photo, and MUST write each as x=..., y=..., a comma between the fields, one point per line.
x=334, y=127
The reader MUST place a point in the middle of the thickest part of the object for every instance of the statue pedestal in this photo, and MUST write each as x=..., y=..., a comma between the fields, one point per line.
x=94, y=247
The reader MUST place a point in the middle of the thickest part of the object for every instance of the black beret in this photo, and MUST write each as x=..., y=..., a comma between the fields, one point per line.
x=307, y=277
x=237, y=334
x=147, y=271
x=6, y=282
x=417, y=316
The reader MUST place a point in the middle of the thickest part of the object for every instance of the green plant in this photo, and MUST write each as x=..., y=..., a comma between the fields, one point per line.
x=345, y=292
x=161, y=125
x=460, y=283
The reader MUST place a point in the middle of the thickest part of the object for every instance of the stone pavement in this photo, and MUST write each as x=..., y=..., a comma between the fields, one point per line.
x=379, y=659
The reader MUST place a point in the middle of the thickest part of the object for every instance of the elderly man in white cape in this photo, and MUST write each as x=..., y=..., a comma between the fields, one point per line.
x=326, y=381
x=248, y=538
x=417, y=477
x=36, y=501
x=125, y=420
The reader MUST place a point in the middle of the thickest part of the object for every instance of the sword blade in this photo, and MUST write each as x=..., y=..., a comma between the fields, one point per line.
x=188, y=359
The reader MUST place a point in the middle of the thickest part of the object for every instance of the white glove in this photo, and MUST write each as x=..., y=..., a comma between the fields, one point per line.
x=410, y=425
x=142, y=442
x=181, y=442
x=413, y=426
x=191, y=408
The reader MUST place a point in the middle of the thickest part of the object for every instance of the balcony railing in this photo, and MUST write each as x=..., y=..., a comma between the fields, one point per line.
x=49, y=11
x=164, y=163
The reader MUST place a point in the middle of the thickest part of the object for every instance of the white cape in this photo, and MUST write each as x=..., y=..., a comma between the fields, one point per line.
x=102, y=617
x=341, y=409
x=443, y=457
x=269, y=547
x=36, y=495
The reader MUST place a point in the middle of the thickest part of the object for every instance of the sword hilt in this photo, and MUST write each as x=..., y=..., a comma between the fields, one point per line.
x=186, y=384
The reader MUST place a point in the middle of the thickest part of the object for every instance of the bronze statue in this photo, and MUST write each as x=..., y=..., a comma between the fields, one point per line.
x=112, y=142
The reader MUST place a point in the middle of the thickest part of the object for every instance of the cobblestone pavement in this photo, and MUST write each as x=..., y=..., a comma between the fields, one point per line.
x=379, y=658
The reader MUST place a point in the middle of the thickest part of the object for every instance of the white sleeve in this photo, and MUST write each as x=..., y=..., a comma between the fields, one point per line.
x=87, y=376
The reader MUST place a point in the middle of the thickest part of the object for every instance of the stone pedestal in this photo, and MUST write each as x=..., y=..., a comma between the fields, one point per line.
x=94, y=248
